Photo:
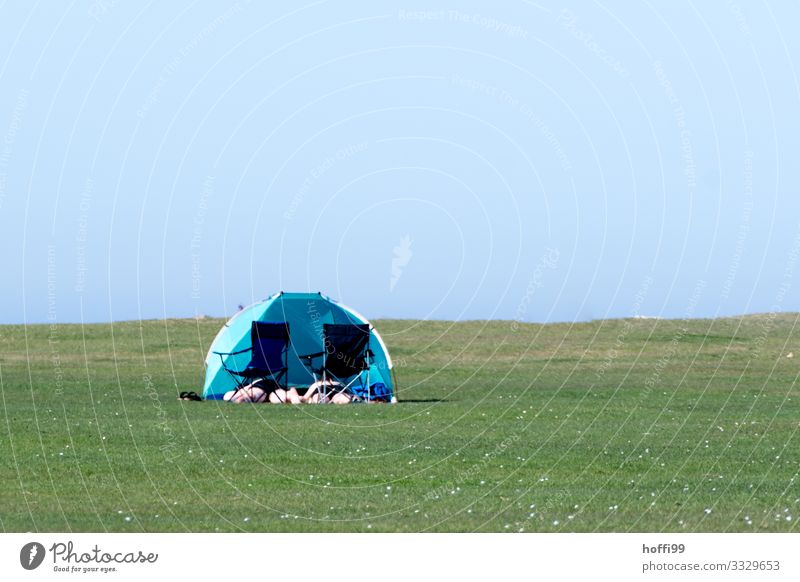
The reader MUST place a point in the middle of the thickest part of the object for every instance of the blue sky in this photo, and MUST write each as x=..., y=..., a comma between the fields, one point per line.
x=451, y=160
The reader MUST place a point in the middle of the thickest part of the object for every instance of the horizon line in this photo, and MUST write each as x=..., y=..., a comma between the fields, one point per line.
x=639, y=317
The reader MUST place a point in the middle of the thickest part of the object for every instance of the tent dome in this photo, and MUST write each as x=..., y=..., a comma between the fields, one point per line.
x=305, y=313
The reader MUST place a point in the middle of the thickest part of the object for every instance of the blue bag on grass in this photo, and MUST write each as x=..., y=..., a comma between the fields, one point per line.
x=378, y=391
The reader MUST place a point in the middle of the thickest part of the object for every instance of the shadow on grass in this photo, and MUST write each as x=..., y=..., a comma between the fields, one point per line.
x=421, y=400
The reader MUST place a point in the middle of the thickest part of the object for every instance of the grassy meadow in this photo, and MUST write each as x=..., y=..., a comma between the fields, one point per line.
x=618, y=425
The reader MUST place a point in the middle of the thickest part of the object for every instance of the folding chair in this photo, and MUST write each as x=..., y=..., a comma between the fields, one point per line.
x=346, y=356
x=269, y=344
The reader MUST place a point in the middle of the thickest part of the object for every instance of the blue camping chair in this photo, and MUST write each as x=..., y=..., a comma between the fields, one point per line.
x=346, y=356
x=269, y=344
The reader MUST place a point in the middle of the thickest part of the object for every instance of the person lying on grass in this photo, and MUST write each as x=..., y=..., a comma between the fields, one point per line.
x=333, y=392
x=271, y=392
x=263, y=391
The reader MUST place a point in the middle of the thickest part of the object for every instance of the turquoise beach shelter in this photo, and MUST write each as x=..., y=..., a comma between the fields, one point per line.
x=305, y=313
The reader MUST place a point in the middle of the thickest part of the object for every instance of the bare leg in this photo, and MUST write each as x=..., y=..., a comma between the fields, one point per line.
x=341, y=398
x=292, y=396
x=311, y=399
x=249, y=393
x=277, y=396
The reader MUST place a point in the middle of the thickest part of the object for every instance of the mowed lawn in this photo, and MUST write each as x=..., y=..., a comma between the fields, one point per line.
x=623, y=425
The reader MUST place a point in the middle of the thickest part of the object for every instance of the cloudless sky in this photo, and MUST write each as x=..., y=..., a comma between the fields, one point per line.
x=452, y=160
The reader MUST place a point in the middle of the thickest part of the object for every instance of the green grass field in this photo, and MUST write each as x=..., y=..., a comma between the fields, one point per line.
x=623, y=425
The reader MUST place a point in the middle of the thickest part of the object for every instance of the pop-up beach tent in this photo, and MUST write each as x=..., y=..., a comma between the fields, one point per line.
x=305, y=313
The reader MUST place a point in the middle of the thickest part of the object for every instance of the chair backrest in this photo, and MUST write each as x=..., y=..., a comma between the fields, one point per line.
x=269, y=342
x=346, y=347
